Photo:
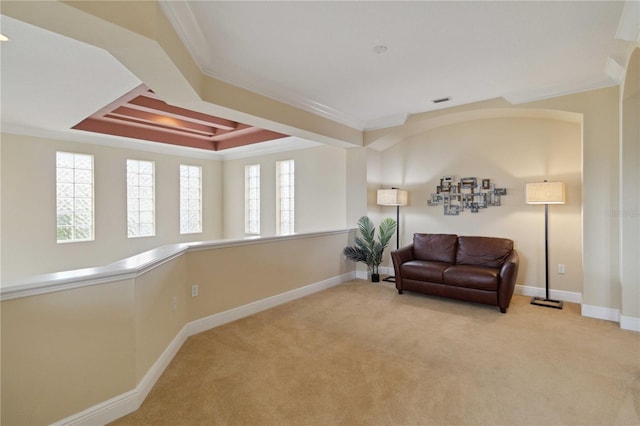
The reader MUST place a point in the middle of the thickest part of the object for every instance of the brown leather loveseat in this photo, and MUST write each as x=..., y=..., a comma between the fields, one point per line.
x=477, y=269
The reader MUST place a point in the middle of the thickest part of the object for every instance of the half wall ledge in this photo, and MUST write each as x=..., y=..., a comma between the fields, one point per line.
x=131, y=267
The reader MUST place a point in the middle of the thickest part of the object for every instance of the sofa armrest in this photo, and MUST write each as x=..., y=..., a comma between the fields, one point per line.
x=402, y=255
x=399, y=257
x=508, y=275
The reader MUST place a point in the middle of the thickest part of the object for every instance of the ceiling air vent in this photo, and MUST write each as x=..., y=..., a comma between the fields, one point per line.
x=437, y=101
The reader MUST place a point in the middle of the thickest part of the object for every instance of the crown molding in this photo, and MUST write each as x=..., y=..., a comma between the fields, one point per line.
x=184, y=22
x=290, y=98
x=119, y=142
x=629, y=24
x=384, y=122
x=290, y=143
x=614, y=70
x=557, y=91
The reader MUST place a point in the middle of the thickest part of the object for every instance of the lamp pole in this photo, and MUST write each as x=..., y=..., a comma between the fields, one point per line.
x=546, y=251
x=397, y=227
x=546, y=193
x=398, y=198
x=397, y=223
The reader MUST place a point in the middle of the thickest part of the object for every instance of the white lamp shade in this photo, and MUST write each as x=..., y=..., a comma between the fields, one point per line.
x=392, y=197
x=545, y=193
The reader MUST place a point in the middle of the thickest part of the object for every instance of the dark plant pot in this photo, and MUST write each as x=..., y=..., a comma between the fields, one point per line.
x=375, y=278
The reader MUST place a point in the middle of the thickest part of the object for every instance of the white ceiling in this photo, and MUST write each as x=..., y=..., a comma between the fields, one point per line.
x=320, y=56
x=49, y=83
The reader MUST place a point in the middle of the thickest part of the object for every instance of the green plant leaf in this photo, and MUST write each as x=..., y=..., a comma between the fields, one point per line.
x=367, y=229
x=355, y=254
x=387, y=229
x=366, y=249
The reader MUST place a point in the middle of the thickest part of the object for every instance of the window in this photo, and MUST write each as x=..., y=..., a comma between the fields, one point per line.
x=252, y=199
x=74, y=197
x=285, y=202
x=190, y=199
x=141, y=210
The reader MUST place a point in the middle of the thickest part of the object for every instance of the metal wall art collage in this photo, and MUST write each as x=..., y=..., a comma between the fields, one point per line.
x=469, y=193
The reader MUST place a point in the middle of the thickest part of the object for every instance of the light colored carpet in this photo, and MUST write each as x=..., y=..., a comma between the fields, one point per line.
x=360, y=354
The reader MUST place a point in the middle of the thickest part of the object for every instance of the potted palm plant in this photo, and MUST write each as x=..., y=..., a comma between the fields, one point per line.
x=369, y=250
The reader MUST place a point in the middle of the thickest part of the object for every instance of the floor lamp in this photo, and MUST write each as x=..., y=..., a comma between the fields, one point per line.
x=546, y=193
x=393, y=197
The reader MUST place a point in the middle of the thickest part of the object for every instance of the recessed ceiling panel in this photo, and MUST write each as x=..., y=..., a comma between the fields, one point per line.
x=141, y=114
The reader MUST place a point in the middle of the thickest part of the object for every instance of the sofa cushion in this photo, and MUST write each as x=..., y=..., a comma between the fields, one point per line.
x=423, y=270
x=476, y=277
x=435, y=247
x=485, y=251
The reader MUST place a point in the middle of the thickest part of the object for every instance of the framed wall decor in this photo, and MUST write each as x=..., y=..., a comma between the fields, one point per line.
x=468, y=193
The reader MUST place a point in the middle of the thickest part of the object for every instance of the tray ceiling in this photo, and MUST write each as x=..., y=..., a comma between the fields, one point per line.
x=141, y=114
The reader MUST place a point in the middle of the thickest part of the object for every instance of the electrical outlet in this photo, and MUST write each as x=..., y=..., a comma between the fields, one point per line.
x=174, y=304
x=194, y=290
x=561, y=268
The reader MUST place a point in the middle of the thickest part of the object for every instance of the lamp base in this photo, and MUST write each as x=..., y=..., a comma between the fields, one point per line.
x=390, y=279
x=542, y=301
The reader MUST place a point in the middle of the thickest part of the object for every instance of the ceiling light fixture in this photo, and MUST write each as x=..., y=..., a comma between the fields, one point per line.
x=3, y=37
x=380, y=49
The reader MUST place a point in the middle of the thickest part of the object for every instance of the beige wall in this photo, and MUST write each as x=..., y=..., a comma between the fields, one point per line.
x=29, y=208
x=161, y=297
x=153, y=52
x=67, y=351
x=375, y=164
x=320, y=190
x=63, y=352
x=356, y=181
x=239, y=275
x=598, y=111
x=629, y=212
x=511, y=152
x=600, y=156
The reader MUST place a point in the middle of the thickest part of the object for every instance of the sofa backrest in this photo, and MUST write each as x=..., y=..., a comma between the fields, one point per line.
x=485, y=251
x=435, y=247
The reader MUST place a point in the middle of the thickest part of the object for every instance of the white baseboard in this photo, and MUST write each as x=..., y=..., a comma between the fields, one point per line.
x=104, y=412
x=600, y=312
x=362, y=275
x=158, y=367
x=609, y=314
x=565, y=296
x=387, y=270
x=383, y=270
x=629, y=323
x=128, y=402
x=221, y=318
x=590, y=311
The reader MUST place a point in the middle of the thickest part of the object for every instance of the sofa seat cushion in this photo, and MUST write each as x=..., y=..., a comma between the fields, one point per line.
x=476, y=277
x=423, y=270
